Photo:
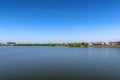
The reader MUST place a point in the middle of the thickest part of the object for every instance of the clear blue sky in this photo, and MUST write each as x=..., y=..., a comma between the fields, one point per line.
x=59, y=20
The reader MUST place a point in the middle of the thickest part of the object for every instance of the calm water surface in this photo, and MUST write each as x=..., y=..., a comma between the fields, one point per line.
x=59, y=63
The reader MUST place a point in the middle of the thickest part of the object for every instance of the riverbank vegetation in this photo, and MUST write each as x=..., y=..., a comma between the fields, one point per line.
x=57, y=44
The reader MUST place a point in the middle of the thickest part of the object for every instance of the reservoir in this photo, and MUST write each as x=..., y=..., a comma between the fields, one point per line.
x=59, y=63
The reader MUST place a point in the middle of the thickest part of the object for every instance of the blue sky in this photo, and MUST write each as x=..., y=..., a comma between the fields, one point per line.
x=59, y=20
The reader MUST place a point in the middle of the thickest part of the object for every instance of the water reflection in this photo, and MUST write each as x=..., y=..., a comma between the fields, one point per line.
x=59, y=63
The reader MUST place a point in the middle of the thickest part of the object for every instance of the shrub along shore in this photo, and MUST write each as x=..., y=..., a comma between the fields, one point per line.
x=68, y=44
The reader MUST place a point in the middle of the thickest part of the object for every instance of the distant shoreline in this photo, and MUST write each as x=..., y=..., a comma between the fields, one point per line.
x=105, y=46
x=80, y=45
x=50, y=44
x=93, y=46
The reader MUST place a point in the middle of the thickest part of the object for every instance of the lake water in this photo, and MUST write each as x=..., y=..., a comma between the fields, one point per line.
x=59, y=63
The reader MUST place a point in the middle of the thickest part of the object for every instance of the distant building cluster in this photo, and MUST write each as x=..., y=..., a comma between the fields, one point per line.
x=8, y=44
x=104, y=43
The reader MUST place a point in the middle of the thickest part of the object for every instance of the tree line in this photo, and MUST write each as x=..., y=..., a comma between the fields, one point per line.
x=53, y=44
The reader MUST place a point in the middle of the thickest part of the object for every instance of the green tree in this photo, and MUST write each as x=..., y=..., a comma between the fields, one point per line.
x=86, y=45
